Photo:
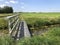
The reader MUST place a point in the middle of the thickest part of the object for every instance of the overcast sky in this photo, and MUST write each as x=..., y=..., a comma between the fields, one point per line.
x=32, y=5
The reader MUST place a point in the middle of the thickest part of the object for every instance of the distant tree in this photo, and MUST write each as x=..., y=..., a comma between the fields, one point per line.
x=1, y=10
x=6, y=9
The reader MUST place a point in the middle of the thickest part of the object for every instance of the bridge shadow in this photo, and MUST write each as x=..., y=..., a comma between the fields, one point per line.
x=22, y=30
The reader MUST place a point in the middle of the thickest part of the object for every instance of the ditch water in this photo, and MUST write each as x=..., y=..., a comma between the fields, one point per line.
x=41, y=31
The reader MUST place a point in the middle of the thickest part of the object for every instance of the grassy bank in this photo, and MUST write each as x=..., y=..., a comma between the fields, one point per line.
x=3, y=23
x=52, y=37
x=6, y=40
x=4, y=14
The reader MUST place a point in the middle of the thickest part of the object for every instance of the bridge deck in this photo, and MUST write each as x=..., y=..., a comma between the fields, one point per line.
x=23, y=30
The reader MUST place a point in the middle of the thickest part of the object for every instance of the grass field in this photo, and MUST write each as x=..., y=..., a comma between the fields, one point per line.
x=41, y=20
x=32, y=17
x=35, y=21
x=40, y=15
x=4, y=15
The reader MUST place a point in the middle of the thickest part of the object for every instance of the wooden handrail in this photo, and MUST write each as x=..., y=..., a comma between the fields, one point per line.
x=17, y=28
x=13, y=23
x=9, y=17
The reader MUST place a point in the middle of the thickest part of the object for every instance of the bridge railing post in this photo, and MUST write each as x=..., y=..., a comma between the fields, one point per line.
x=13, y=23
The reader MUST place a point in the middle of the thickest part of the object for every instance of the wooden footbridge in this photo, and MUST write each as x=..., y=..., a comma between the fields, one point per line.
x=17, y=28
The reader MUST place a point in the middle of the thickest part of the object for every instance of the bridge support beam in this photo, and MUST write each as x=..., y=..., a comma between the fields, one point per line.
x=26, y=30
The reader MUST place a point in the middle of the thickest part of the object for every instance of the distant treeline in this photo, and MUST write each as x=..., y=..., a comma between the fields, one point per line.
x=6, y=9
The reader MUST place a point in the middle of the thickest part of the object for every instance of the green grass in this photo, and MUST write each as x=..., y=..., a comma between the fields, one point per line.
x=4, y=15
x=40, y=15
x=36, y=20
x=41, y=19
x=52, y=37
x=3, y=23
x=6, y=40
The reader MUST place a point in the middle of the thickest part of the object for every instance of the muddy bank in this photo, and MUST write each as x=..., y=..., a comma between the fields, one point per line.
x=40, y=31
